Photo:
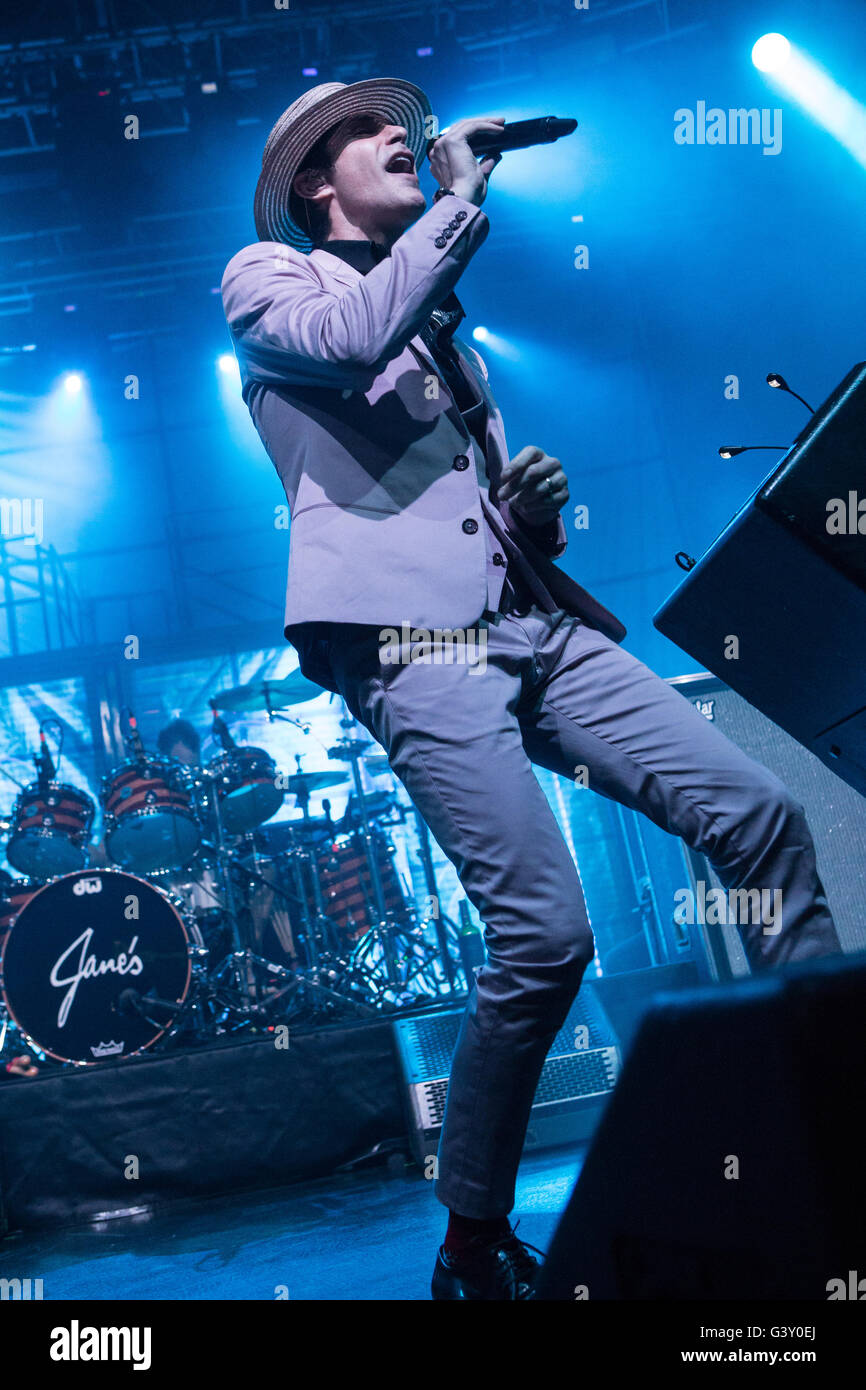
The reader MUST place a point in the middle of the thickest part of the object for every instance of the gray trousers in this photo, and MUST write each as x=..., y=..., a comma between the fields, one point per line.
x=462, y=741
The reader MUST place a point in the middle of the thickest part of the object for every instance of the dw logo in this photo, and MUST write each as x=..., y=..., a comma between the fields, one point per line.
x=87, y=885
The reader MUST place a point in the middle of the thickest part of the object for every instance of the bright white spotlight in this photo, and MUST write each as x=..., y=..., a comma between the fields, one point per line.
x=814, y=90
x=72, y=383
x=227, y=363
x=771, y=52
x=480, y=334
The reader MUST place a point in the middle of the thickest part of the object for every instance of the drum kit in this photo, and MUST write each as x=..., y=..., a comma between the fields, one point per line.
x=161, y=932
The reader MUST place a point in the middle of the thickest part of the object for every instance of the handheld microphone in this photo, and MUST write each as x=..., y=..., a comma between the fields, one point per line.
x=519, y=135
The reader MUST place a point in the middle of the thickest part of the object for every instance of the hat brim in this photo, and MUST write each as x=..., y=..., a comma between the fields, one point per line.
x=400, y=102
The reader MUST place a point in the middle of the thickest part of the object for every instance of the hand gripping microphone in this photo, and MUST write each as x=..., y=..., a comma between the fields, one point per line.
x=519, y=135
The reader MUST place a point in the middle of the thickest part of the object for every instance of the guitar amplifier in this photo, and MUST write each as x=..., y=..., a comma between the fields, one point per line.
x=776, y=607
x=836, y=815
x=576, y=1081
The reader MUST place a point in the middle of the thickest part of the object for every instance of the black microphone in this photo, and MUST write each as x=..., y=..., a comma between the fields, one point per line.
x=220, y=729
x=519, y=135
x=131, y=1002
x=45, y=769
x=132, y=738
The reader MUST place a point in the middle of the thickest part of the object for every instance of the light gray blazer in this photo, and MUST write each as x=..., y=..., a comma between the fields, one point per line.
x=364, y=433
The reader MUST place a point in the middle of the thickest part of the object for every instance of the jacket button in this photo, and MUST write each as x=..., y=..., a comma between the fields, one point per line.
x=498, y=559
x=461, y=216
x=440, y=241
x=461, y=462
x=470, y=526
x=448, y=232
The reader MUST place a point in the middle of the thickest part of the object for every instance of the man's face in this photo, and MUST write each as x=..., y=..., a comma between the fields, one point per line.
x=375, y=182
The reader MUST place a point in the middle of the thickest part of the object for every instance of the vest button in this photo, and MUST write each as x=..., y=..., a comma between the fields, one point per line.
x=498, y=559
x=461, y=463
x=470, y=526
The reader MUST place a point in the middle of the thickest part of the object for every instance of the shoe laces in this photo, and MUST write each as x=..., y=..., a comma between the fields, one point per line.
x=520, y=1267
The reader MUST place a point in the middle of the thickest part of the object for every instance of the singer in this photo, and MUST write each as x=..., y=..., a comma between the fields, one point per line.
x=407, y=507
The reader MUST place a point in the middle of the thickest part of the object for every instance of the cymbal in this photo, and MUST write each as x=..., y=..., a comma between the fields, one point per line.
x=268, y=694
x=376, y=764
x=315, y=781
x=348, y=749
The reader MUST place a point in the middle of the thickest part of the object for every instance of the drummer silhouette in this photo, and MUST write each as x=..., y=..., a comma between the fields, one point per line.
x=180, y=741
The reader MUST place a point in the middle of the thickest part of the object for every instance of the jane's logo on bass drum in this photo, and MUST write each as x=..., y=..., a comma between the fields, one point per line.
x=90, y=967
x=87, y=885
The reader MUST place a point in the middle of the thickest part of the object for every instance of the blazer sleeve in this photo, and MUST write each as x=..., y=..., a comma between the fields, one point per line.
x=288, y=326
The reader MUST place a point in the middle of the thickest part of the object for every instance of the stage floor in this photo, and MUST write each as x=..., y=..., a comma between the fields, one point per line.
x=360, y=1236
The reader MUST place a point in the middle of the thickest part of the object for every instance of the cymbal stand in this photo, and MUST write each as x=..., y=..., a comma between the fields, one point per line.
x=234, y=980
x=440, y=921
x=351, y=750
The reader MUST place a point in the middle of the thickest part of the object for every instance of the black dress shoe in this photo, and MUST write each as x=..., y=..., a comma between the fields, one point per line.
x=486, y=1270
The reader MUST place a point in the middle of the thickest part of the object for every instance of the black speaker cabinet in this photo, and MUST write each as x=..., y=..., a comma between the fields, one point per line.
x=787, y=579
x=729, y=1162
x=835, y=812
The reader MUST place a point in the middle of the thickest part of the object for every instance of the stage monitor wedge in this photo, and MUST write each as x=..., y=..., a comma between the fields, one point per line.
x=729, y=1161
x=776, y=607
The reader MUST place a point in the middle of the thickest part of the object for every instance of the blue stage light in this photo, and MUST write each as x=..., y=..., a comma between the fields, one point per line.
x=771, y=52
x=228, y=363
x=72, y=383
x=480, y=334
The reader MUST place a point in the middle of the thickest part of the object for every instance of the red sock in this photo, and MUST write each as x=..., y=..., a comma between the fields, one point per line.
x=463, y=1230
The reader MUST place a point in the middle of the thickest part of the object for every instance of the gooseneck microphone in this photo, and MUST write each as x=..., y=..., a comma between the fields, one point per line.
x=519, y=135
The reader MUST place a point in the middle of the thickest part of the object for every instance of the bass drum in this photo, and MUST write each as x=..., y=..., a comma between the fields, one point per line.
x=98, y=965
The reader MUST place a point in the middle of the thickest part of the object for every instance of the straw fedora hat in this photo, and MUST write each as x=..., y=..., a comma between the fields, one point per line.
x=307, y=120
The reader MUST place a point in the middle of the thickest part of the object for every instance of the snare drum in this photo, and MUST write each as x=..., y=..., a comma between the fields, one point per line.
x=151, y=820
x=245, y=783
x=87, y=978
x=50, y=829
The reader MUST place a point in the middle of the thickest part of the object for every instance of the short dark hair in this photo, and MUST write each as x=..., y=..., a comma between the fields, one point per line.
x=178, y=731
x=321, y=160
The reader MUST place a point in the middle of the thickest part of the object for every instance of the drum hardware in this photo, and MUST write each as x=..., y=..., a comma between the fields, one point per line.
x=234, y=984
x=378, y=765
x=347, y=924
x=303, y=784
x=441, y=922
